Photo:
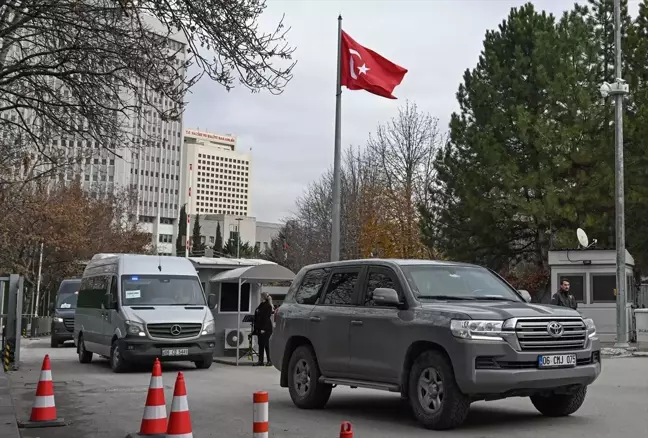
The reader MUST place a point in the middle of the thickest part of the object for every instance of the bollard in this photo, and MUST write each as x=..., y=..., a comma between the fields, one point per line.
x=346, y=430
x=260, y=424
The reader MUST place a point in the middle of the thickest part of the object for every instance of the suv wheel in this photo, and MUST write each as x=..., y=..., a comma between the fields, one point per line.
x=436, y=400
x=306, y=391
x=559, y=405
x=54, y=342
x=85, y=356
x=117, y=362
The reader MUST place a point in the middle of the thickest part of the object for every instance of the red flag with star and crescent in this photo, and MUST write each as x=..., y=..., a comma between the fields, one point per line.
x=364, y=69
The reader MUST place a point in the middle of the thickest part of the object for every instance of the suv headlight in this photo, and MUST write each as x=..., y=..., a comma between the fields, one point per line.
x=591, y=327
x=58, y=319
x=208, y=328
x=134, y=328
x=477, y=329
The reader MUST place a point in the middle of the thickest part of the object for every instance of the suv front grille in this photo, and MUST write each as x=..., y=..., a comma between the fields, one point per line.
x=180, y=330
x=69, y=324
x=533, y=334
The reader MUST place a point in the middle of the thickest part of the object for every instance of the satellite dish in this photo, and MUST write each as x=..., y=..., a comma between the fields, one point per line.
x=582, y=237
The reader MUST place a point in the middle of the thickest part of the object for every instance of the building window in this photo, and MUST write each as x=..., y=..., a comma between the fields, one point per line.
x=229, y=297
x=576, y=285
x=603, y=288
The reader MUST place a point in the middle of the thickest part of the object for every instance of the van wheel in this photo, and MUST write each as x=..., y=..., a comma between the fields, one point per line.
x=117, y=362
x=85, y=356
x=306, y=391
x=434, y=395
x=204, y=363
x=559, y=405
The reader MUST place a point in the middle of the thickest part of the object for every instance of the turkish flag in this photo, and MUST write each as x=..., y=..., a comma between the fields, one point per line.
x=364, y=69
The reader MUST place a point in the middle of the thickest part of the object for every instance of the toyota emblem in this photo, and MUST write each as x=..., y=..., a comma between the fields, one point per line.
x=555, y=329
x=176, y=330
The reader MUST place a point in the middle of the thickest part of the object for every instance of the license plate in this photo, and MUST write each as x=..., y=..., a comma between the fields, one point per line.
x=175, y=352
x=557, y=360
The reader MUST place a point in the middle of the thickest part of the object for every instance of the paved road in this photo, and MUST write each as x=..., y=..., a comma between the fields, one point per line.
x=101, y=404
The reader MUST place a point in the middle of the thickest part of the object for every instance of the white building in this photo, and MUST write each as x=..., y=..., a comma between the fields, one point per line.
x=219, y=176
x=265, y=232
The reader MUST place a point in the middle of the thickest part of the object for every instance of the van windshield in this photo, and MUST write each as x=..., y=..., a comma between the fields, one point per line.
x=68, y=294
x=161, y=290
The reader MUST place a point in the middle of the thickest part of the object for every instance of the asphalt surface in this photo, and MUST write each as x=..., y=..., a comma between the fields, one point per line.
x=100, y=404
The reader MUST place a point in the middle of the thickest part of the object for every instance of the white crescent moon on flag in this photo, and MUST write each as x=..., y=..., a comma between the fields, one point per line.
x=352, y=64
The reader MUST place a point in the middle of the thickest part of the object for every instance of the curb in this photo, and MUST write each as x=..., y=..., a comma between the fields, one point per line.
x=8, y=422
x=623, y=352
x=232, y=362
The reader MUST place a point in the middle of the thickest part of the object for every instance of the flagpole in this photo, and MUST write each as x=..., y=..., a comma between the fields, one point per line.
x=337, y=154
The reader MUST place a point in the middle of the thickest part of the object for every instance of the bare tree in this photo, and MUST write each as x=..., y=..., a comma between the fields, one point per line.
x=405, y=149
x=77, y=76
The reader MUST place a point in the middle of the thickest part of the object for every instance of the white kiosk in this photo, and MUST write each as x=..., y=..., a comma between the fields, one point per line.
x=592, y=277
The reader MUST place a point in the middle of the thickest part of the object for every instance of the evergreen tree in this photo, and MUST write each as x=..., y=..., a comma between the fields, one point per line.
x=197, y=247
x=181, y=240
x=218, y=244
x=523, y=147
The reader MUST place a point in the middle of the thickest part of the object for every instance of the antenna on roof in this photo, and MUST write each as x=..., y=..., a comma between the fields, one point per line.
x=159, y=262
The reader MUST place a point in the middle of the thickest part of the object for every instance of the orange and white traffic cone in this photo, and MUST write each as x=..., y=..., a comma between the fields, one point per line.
x=346, y=430
x=154, y=420
x=260, y=423
x=179, y=417
x=43, y=413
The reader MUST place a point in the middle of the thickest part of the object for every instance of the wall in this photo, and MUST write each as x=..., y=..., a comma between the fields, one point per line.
x=227, y=223
x=224, y=321
x=265, y=232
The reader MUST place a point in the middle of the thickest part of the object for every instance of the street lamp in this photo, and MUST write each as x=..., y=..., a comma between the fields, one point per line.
x=238, y=236
x=618, y=90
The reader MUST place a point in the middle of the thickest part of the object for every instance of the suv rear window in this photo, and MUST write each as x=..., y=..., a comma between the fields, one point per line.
x=311, y=285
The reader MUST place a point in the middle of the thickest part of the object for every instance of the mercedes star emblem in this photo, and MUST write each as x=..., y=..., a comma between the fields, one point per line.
x=555, y=329
x=176, y=330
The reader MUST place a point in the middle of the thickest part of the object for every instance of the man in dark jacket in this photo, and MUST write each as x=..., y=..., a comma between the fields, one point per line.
x=563, y=297
x=263, y=326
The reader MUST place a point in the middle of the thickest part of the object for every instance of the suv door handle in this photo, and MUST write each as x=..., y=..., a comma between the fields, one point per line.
x=356, y=322
x=315, y=318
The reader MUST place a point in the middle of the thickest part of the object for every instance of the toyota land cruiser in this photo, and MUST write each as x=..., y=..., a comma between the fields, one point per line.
x=442, y=334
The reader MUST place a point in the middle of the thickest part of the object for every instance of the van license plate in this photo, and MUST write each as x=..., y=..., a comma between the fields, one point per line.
x=176, y=352
x=557, y=360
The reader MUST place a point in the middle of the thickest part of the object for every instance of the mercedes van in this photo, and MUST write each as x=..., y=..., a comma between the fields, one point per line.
x=135, y=308
x=62, y=311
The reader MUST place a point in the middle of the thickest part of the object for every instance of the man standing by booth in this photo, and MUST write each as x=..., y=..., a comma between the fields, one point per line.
x=563, y=297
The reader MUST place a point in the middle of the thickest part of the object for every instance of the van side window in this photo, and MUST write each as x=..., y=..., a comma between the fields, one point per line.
x=311, y=285
x=93, y=290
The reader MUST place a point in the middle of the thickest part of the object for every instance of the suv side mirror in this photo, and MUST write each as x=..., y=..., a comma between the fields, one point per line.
x=212, y=301
x=526, y=295
x=386, y=296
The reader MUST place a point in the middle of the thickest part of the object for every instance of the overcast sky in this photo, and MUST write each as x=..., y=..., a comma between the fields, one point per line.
x=291, y=135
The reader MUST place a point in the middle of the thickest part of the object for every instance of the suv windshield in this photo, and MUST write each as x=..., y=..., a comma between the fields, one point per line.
x=68, y=294
x=161, y=290
x=457, y=283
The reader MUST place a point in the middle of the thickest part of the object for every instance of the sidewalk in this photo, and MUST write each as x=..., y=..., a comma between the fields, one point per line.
x=636, y=349
x=8, y=425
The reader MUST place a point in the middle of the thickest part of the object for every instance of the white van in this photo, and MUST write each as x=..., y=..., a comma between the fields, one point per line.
x=135, y=308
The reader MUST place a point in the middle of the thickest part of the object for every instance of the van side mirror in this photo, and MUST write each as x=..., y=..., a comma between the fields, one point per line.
x=526, y=295
x=212, y=301
x=108, y=302
x=385, y=296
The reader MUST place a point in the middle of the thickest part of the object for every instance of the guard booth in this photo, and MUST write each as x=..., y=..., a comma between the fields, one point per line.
x=592, y=277
x=11, y=299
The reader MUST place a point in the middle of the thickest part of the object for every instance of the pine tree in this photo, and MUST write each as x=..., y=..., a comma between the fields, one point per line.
x=197, y=247
x=181, y=240
x=521, y=149
x=218, y=244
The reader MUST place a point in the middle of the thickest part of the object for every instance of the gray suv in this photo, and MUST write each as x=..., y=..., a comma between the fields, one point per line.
x=441, y=334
